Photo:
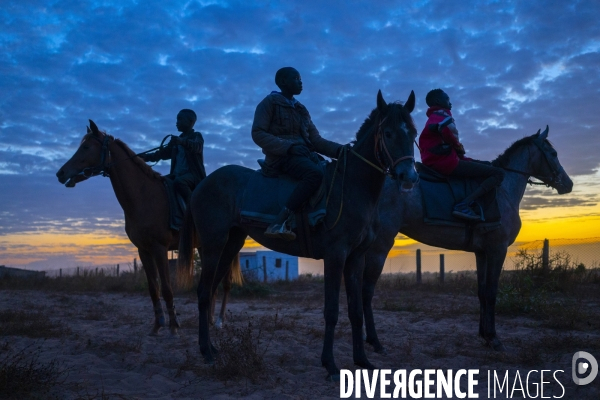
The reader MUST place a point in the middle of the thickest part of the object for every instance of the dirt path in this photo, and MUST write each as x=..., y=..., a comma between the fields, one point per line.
x=99, y=347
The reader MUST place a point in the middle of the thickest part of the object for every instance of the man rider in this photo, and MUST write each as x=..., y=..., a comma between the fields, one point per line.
x=186, y=154
x=283, y=128
x=442, y=151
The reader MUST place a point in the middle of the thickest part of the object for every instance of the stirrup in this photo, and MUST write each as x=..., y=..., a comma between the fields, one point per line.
x=462, y=210
x=280, y=231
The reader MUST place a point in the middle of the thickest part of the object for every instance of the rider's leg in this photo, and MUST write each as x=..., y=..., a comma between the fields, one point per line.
x=472, y=169
x=184, y=184
x=310, y=175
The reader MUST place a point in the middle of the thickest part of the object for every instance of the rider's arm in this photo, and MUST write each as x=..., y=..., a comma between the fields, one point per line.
x=323, y=146
x=195, y=145
x=260, y=130
x=162, y=154
x=450, y=137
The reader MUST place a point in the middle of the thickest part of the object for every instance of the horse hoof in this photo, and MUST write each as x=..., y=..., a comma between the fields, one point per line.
x=496, y=344
x=219, y=324
x=155, y=331
x=174, y=332
x=380, y=350
x=333, y=378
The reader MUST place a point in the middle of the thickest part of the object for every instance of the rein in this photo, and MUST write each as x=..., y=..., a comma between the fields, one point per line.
x=380, y=147
x=550, y=179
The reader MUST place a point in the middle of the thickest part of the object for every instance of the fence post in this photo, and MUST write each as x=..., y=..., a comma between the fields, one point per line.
x=77, y=271
x=546, y=256
x=96, y=271
x=418, y=265
x=442, y=268
x=135, y=265
x=117, y=270
x=264, y=269
x=287, y=270
x=60, y=273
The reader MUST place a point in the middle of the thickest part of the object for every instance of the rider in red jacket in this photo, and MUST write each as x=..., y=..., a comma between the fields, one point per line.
x=442, y=151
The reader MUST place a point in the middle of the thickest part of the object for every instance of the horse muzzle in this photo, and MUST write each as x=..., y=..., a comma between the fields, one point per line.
x=405, y=175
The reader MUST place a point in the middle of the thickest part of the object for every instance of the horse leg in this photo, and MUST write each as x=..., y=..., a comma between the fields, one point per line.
x=353, y=274
x=210, y=264
x=374, y=262
x=333, y=279
x=162, y=262
x=226, y=289
x=153, y=285
x=215, y=265
x=495, y=260
x=212, y=307
x=481, y=262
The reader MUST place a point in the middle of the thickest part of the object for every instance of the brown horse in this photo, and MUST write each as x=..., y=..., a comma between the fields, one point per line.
x=143, y=197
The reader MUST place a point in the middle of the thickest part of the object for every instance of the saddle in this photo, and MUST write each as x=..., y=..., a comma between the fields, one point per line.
x=440, y=193
x=267, y=192
x=176, y=204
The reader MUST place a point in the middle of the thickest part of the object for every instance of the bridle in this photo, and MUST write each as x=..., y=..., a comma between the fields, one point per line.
x=385, y=168
x=103, y=166
x=382, y=154
x=548, y=181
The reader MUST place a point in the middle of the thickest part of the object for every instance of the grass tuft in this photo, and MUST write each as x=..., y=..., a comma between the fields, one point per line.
x=22, y=375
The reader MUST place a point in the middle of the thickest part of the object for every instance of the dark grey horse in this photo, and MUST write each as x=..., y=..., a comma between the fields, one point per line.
x=403, y=212
x=385, y=139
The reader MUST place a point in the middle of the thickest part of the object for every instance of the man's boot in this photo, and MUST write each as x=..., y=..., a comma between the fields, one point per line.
x=279, y=228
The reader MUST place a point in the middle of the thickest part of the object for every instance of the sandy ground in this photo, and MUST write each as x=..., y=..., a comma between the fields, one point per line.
x=101, y=340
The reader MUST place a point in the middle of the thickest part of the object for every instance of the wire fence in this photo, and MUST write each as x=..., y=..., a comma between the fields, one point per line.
x=96, y=270
x=584, y=252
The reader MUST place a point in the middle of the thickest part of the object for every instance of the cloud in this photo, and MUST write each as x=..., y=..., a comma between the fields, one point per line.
x=509, y=67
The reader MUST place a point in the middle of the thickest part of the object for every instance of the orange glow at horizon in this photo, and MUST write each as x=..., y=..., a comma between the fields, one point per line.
x=581, y=223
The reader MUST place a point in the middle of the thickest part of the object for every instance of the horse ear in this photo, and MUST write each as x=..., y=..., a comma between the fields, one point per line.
x=544, y=134
x=381, y=104
x=88, y=129
x=94, y=129
x=410, y=103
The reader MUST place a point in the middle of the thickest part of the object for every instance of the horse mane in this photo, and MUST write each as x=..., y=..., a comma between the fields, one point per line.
x=130, y=153
x=396, y=112
x=503, y=158
x=138, y=161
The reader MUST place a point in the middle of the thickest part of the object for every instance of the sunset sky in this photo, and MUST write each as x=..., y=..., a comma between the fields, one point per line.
x=510, y=68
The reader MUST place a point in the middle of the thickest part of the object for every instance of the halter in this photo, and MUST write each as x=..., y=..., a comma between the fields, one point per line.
x=548, y=181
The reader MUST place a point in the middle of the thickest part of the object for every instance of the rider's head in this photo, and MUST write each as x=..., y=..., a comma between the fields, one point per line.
x=289, y=81
x=186, y=119
x=438, y=98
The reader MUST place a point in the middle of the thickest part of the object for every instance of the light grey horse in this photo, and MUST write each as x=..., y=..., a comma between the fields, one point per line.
x=532, y=156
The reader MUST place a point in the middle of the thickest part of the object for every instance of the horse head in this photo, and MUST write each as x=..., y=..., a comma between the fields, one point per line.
x=89, y=159
x=394, y=139
x=547, y=168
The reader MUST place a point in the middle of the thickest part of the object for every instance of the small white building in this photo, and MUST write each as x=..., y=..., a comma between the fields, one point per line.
x=268, y=266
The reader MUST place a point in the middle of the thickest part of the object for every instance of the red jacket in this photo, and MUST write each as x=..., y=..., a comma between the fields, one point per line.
x=443, y=163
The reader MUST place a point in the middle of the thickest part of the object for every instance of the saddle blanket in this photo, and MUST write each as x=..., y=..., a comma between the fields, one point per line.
x=266, y=195
x=440, y=193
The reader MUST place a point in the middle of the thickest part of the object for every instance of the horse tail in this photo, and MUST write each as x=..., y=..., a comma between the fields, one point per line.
x=185, y=259
x=235, y=274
